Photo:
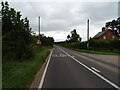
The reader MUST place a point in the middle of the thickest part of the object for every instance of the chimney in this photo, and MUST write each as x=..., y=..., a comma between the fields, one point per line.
x=103, y=28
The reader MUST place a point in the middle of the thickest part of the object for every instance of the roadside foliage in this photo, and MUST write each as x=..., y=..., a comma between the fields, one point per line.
x=16, y=34
x=21, y=57
x=96, y=45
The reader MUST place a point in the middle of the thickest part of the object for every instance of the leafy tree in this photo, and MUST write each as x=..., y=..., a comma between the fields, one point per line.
x=45, y=41
x=114, y=25
x=16, y=33
x=68, y=37
x=74, y=36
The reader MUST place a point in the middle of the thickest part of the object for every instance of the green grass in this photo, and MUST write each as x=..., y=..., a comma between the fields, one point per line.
x=95, y=52
x=19, y=74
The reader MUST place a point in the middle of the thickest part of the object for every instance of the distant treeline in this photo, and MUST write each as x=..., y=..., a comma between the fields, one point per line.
x=45, y=41
x=17, y=41
x=97, y=45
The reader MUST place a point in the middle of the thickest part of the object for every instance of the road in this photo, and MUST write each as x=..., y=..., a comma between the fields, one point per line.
x=71, y=69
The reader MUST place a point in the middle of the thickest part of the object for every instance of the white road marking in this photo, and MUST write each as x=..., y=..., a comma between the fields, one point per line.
x=44, y=73
x=108, y=81
x=95, y=69
x=59, y=55
x=62, y=55
x=73, y=56
x=54, y=55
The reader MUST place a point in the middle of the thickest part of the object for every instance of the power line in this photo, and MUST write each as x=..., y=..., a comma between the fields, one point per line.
x=39, y=42
x=34, y=9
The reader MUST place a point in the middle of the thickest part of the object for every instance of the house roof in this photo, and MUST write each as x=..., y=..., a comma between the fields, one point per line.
x=103, y=32
x=100, y=34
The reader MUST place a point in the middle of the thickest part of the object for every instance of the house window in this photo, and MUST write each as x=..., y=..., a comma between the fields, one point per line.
x=108, y=34
x=104, y=37
x=113, y=37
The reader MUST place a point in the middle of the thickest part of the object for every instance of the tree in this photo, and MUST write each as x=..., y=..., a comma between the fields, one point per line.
x=45, y=41
x=118, y=25
x=16, y=33
x=114, y=25
x=74, y=36
x=68, y=37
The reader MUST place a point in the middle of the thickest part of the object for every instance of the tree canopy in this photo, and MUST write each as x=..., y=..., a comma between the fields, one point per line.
x=16, y=32
x=17, y=40
x=114, y=25
x=74, y=36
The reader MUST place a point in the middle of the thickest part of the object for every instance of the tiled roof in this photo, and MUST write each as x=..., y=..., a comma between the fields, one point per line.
x=103, y=32
x=99, y=34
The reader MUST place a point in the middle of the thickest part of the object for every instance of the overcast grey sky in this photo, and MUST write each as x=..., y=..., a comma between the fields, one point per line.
x=59, y=18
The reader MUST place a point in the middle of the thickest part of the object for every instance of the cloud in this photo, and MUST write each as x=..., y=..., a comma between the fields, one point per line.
x=59, y=18
x=59, y=36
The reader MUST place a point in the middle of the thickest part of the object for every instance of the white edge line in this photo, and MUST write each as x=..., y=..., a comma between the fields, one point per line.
x=43, y=76
x=108, y=81
x=95, y=69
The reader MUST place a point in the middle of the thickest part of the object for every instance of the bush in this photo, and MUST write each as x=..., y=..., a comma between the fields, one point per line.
x=105, y=45
x=100, y=45
x=115, y=45
x=20, y=74
x=16, y=34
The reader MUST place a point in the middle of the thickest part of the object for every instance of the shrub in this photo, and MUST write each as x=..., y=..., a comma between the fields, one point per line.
x=16, y=34
x=96, y=45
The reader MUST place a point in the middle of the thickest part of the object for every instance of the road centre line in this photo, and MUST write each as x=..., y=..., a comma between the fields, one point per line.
x=103, y=78
x=45, y=70
x=95, y=69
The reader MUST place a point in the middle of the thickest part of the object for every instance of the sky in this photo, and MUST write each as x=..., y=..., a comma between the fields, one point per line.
x=59, y=18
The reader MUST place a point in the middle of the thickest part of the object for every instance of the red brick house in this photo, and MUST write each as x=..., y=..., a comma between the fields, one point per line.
x=106, y=34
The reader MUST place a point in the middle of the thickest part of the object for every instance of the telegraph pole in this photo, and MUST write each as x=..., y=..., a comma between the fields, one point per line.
x=88, y=34
x=38, y=42
x=39, y=27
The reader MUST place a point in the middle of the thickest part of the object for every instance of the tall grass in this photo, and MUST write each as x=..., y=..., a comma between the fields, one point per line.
x=19, y=74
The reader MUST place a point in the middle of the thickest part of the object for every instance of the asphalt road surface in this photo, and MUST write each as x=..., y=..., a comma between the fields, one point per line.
x=70, y=69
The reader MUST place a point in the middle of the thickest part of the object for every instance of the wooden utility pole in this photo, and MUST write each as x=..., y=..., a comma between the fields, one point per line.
x=39, y=27
x=38, y=42
x=88, y=34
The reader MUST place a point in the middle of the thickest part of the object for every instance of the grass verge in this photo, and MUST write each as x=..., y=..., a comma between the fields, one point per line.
x=95, y=52
x=19, y=74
